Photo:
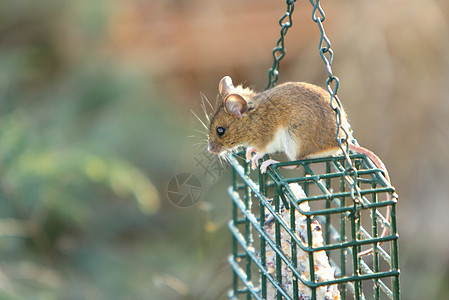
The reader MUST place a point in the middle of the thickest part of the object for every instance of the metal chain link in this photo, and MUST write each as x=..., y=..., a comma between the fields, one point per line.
x=279, y=51
x=333, y=83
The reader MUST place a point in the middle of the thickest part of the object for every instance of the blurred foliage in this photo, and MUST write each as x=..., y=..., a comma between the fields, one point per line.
x=72, y=191
x=86, y=147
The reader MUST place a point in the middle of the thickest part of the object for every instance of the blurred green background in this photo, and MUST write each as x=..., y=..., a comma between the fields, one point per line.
x=95, y=100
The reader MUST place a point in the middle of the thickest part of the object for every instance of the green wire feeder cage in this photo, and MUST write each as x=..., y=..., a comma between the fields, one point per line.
x=302, y=237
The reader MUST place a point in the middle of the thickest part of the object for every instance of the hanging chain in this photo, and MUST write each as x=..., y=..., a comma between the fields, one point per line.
x=332, y=83
x=279, y=51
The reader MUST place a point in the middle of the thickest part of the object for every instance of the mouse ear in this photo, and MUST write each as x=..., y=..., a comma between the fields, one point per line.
x=225, y=86
x=235, y=105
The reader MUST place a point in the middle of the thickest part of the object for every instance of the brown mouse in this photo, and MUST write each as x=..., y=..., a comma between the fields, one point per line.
x=294, y=118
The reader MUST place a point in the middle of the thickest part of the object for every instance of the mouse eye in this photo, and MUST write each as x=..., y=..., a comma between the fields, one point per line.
x=220, y=131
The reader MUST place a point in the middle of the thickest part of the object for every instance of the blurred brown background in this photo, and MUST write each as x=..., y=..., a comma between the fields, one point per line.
x=95, y=118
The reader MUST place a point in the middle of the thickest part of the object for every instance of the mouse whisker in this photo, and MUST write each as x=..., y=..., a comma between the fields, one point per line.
x=199, y=147
x=217, y=101
x=223, y=161
x=203, y=107
x=205, y=113
x=199, y=119
x=201, y=143
x=203, y=134
x=203, y=97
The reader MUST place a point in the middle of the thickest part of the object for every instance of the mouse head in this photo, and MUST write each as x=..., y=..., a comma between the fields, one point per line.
x=228, y=128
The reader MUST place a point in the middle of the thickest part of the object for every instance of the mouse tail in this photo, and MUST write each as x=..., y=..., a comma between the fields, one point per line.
x=375, y=159
x=379, y=163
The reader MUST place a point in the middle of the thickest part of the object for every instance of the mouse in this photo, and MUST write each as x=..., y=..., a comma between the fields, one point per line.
x=293, y=117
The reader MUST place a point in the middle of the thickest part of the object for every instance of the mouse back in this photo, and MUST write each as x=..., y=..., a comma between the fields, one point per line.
x=294, y=117
x=302, y=118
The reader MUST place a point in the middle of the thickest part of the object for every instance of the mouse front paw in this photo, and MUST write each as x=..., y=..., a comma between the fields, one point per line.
x=266, y=164
x=249, y=153
x=253, y=156
x=255, y=160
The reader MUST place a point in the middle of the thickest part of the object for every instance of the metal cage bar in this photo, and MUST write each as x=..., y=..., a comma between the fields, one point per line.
x=348, y=227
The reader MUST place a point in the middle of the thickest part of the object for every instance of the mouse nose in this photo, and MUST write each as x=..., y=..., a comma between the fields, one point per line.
x=213, y=147
x=209, y=147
